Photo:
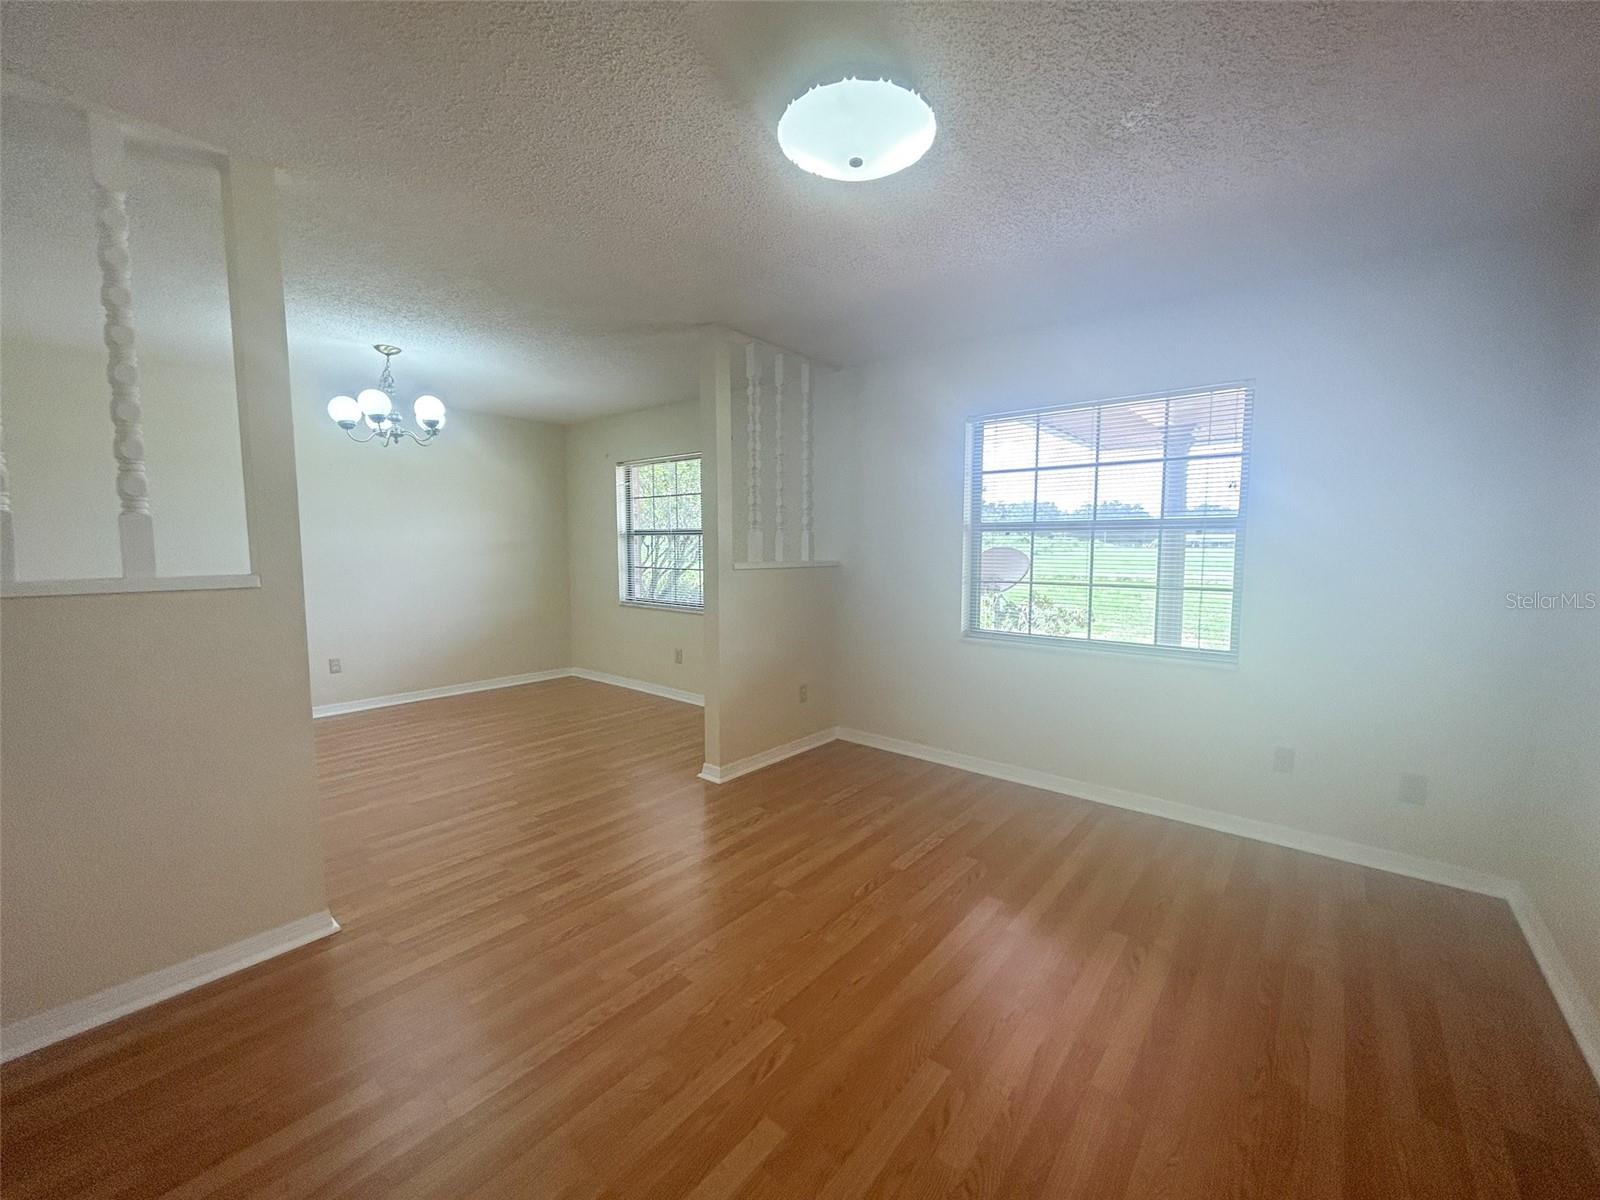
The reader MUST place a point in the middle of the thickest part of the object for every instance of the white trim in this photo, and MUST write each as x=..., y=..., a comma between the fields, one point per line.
x=637, y=685
x=1210, y=660
x=783, y=566
x=1170, y=573
x=712, y=773
x=35, y=1032
x=487, y=685
x=108, y=587
x=691, y=610
x=12, y=84
x=455, y=689
x=626, y=532
x=1575, y=1006
x=1189, y=814
x=1581, y=1016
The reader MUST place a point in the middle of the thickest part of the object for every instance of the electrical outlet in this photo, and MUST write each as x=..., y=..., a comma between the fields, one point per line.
x=804, y=693
x=677, y=657
x=1414, y=789
x=334, y=666
x=1283, y=760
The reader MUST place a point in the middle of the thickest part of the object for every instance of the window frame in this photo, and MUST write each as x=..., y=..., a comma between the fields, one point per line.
x=626, y=533
x=973, y=528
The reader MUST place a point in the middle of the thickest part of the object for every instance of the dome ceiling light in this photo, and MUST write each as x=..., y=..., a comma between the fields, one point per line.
x=856, y=129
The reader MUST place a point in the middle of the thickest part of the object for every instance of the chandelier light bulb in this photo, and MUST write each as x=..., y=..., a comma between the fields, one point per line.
x=345, y=411
x=374, y=404
x=429, y=411
x=857, y=129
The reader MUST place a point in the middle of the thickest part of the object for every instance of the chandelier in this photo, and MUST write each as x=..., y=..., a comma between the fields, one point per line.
x=374, y=407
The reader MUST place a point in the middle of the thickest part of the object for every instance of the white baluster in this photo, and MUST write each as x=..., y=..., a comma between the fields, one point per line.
x=777, y=454
x=755, y=550
x=8, y=557
x=805, y=460
x=107, y=159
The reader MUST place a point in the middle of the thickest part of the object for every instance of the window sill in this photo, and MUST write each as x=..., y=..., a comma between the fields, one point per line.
x=692, y=610
x=1213, y=660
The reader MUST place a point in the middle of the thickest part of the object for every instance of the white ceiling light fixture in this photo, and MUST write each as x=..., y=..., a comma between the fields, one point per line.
x=856, y=129
x=375, y=408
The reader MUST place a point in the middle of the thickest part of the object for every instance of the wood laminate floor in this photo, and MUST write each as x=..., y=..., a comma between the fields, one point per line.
x=570, y=969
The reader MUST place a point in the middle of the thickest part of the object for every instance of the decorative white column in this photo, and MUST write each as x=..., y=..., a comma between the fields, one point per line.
x=805, y=460
x=8, y=557
x=777, y=455
x=755, y=549
x=107, y=158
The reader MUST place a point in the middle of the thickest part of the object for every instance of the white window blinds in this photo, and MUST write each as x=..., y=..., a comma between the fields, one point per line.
x=660, y=544
x=1118, y=522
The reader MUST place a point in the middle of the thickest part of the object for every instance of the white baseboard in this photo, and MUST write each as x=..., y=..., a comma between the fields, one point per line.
x=505, y=681
x=712, y=773
x=1582, y=1018
x=35, y=1032
x=1207, y=818
x=637, y=685
x=453, y=689
x=1575, y=1006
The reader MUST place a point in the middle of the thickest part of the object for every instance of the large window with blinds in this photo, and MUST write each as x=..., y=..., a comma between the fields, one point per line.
x=660, y=542
x=1117, y=523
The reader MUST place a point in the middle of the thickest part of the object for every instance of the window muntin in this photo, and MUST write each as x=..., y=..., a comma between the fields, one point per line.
x=660, y=536
x=1117, y=523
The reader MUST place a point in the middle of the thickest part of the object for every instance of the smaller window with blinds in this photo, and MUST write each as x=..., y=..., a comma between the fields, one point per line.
x=1117, y=523
x=660, y=542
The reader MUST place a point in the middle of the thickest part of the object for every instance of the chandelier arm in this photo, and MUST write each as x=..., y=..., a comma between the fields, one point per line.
x=421, y=439
x=350, y=433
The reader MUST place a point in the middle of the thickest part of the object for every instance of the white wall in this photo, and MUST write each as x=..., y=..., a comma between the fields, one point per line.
x=1406, y=418
x=607, y=635
x=430, y=566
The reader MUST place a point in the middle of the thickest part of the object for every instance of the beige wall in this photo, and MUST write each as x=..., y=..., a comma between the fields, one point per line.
x=157, y=784
x=607, y=635
x=776, y=633
x=1408, y=417
x=430, y=566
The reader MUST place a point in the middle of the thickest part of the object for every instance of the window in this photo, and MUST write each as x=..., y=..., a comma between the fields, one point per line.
x=660, y=543
x=1119, y=522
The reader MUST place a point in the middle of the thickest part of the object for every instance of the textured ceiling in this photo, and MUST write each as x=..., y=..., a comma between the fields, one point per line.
x=541, y=202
